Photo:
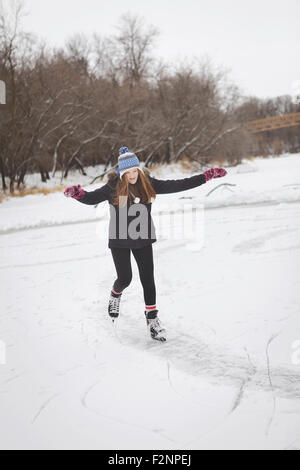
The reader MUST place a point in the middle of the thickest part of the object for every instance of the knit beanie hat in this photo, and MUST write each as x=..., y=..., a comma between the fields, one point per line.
x=127, y=161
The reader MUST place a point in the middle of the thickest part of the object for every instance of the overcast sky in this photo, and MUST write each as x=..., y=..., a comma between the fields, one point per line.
x=257, y=40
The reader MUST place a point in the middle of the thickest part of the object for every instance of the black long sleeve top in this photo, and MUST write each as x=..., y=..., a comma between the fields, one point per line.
x=124, y=222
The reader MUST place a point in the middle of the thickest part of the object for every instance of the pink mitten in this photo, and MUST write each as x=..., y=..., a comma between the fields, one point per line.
x=214, y=173
x=75, y=192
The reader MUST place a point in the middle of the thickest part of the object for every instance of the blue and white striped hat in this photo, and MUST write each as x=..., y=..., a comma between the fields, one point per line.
x=127, y=161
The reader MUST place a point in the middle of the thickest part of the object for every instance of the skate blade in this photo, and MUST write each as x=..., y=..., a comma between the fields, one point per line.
x=161, y=340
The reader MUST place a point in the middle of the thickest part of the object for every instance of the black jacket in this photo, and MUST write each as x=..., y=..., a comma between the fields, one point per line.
x=146, y=237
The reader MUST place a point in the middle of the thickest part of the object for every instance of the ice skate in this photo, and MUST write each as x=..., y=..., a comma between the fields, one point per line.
x=157, y=332
x=114, y=305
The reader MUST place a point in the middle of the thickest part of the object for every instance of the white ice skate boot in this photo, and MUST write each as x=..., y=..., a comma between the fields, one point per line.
x=114, y=305
x=157, y=332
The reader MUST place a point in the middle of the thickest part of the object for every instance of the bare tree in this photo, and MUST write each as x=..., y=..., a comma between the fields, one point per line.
x=12, y=40
x=136, y=41
x=75, y=106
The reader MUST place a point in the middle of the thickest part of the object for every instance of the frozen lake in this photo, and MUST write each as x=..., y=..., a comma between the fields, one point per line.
x=229, y=375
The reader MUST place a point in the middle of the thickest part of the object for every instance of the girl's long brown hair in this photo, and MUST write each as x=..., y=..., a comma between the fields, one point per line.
x=142, y=189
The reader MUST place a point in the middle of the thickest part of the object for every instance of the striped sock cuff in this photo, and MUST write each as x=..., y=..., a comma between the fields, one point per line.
x=149, y=308
x=117, y=293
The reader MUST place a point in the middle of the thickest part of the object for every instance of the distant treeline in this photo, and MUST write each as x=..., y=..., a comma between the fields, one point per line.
x=74, y=107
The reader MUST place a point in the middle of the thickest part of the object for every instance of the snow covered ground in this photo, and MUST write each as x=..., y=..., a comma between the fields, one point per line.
x=229, y=375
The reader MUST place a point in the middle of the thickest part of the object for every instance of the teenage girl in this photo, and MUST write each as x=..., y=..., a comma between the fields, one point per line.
x=131, y=190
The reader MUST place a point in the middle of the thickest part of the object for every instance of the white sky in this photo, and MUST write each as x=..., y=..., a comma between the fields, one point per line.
x=258, y=40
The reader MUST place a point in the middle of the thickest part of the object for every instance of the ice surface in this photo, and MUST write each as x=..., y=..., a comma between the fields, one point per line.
x=226, y=378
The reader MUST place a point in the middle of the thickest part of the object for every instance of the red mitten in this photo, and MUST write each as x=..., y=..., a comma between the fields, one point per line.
x=214, y=173
x=75, y=192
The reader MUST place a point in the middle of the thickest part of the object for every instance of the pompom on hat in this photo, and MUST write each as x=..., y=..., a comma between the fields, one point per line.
x=127, y=161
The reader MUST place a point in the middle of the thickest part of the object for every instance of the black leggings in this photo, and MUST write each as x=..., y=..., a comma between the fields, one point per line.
x=144, y=259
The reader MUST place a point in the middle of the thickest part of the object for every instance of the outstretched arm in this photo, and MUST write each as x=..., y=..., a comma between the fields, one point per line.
x=176, y=186
x=90, y=198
